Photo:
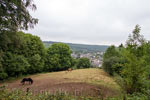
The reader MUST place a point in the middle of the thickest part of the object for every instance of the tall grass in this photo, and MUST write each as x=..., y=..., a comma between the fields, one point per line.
x=18, y=94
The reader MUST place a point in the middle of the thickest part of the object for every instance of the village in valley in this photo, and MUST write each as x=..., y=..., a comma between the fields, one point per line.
x=94, y=57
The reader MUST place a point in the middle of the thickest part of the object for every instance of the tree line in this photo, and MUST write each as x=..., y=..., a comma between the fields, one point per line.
x=26, y=54
x=130, y=63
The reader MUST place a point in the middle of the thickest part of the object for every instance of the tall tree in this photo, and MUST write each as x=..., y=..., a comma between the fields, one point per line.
x=135, y=70
x=135, y=39
x=58, y=57
x=112, y=60
x=133, y=73
x=110, y=52
x=14, y=15
x=33, y=49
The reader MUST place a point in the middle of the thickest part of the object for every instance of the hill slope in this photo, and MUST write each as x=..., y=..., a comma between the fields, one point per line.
x=86, y=81
x=81, y=47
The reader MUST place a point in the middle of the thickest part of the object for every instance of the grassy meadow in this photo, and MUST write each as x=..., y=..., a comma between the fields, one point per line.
x=91, y=82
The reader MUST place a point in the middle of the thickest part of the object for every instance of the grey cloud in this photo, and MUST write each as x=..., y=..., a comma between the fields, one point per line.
x=91, y=21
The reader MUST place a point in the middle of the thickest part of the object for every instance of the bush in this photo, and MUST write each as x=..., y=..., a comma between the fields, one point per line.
x=112, y=60
x=3, y=75
x=83, y=63
x=58, y=57
x=133, y=73
x=111, y=65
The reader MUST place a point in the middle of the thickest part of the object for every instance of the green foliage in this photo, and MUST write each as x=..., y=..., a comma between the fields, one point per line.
x=20, y=54
x=138, y=96
x=3, y=74
x=37, y=64
x=9, y=41
x=111, y=65
x=33, y=49
x=133, y=73
x=146, y=57
x=112, y=61
x=14, y=15
x=135, y=96
x=32, y=45
x=111, y=52
x=134, y=70
x=74, y=63
x=83, y=63
x=58, y=57
x=135, y=40
x=130, y=63
x=15, y=65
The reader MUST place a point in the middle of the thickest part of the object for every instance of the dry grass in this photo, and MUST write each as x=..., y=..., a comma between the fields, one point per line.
x=91, y=75
x=69, y=81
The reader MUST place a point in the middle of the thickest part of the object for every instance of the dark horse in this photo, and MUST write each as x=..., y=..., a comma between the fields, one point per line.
x=26, y=79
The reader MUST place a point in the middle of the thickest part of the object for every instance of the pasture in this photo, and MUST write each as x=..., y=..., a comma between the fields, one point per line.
x=80, y=82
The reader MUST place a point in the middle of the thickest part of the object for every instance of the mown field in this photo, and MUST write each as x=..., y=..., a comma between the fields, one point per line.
x=81, y=82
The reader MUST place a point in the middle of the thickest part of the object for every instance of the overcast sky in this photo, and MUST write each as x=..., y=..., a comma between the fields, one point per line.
x=102, y=22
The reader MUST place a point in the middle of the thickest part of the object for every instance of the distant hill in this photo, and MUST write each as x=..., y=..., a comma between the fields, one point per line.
x=80, y=47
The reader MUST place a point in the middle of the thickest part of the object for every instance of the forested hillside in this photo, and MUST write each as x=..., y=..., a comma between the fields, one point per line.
x=81, y=47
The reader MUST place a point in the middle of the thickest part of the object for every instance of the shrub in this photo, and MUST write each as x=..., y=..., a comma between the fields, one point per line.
x=58, y=57
x=83, y=63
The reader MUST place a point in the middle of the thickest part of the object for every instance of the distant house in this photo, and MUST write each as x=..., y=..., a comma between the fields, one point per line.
x=95, y=58
x=96, y=62
x=74, y=55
